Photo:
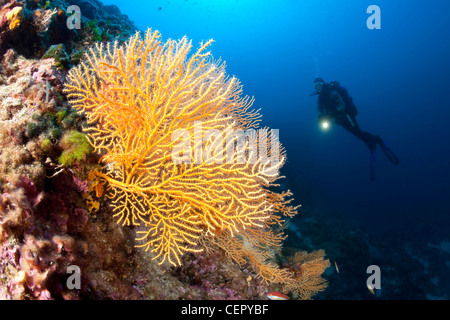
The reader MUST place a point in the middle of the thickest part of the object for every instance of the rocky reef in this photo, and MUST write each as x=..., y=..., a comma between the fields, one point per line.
x=53, y=213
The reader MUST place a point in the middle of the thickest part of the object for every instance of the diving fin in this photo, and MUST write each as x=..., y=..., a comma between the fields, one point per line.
x=388, y=152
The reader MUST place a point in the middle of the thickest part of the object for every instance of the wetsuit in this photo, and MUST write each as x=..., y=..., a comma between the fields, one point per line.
x=340, y=107
x=335, y=102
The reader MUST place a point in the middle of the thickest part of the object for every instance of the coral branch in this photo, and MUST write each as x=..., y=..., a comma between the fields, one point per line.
x=139, y=99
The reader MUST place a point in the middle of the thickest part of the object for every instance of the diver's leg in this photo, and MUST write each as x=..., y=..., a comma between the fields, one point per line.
x=353, y=127
x=369, y=139
x=372, y=140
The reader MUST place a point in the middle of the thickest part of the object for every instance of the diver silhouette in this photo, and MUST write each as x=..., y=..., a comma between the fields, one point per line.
x=334, y=103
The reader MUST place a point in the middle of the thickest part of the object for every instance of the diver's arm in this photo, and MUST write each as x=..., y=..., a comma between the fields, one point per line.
x=324, y=114
x=322, y=111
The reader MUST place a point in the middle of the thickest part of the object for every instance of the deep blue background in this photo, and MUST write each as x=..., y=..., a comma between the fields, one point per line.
x=398, y=77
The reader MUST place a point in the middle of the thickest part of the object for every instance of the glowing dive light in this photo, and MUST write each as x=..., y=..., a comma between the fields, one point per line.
x=325, y=125
x=325, y=122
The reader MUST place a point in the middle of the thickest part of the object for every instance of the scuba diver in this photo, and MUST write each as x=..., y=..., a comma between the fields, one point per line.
x=334, y=103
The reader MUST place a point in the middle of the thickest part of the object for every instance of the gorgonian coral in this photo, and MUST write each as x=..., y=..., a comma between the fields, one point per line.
x=179, y=142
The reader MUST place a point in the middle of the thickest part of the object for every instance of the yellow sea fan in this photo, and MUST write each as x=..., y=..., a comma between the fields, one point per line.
x=145, y=99
x=307, y=271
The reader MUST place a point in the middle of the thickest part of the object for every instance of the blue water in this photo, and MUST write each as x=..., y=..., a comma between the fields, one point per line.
x=398, y=77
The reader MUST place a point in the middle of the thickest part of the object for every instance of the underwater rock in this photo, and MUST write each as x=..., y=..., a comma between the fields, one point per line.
x=59, y=54
x=31, y=27
x=53, y=215
x=90, y=9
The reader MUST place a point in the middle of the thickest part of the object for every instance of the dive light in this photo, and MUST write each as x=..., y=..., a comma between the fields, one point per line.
x=325, y=122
